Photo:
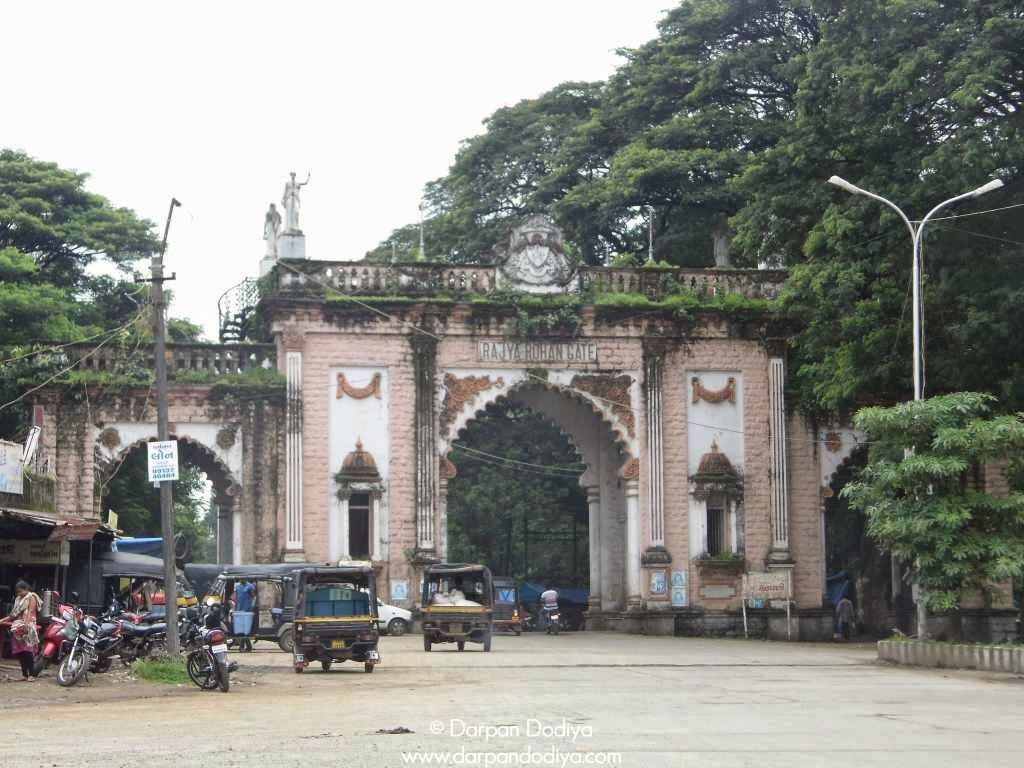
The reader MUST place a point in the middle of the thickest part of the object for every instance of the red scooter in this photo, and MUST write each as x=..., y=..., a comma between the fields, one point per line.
x=57, y=637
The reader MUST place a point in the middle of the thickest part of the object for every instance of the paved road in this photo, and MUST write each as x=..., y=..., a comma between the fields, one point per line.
x=654, y=701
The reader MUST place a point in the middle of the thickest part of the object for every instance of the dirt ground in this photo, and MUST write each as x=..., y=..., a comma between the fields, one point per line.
x=576, y=699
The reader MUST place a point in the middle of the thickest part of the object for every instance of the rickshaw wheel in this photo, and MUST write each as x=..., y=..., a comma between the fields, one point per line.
x=286, y=641
x=461, y=645
x=368, y=667
x=325, y=664
x=426, y=643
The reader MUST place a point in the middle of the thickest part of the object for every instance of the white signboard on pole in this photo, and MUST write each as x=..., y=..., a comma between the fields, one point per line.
x=11, y=468
x=163, y=460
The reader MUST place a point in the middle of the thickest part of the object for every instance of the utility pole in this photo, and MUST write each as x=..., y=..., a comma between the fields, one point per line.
x=166, y=492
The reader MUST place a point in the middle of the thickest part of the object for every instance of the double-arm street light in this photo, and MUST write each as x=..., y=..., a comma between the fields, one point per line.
x=917, y=237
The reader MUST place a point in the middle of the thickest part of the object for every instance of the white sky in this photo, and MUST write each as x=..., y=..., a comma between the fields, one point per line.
x=215, y=102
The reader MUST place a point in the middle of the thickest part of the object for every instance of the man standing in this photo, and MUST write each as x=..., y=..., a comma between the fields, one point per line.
x=845, y=617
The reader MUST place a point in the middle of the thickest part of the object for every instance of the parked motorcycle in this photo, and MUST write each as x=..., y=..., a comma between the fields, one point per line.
x=95, y=644
x=206, y=642
x=552, y=619
x=59, y=634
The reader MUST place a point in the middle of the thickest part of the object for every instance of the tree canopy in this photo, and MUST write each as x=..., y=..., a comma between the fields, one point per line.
x=52, y=230
x=727, y=124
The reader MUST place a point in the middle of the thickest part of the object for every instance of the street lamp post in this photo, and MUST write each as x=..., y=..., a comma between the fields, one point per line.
x=917, y=239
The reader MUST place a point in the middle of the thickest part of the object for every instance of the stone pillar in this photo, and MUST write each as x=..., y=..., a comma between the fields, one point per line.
x=442, y=520
x=654, y=364
x=424, y=368
x=594, y=536
x=343, y=552
x=632, y=544
x=293, y=456
x=778, y=504
x=376, y=527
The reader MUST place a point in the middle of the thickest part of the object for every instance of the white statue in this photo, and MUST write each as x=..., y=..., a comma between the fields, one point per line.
x=290, y=201
x=271, y=226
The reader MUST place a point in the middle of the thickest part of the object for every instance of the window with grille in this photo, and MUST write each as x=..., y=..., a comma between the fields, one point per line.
x=717, y=544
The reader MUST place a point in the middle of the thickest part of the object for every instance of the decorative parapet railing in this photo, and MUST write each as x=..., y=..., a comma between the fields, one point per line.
x=184, y=361
x=430, y=279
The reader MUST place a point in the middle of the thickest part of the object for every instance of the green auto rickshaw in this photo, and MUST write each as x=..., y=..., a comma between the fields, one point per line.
x=335, y=617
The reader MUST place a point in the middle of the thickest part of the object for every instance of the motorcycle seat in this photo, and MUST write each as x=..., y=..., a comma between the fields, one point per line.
x=142, y=630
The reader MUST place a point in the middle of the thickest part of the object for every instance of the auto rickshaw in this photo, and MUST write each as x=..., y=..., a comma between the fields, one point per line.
x=335, y=617
x=273, y=610
x=458, y=605
x=507, y=614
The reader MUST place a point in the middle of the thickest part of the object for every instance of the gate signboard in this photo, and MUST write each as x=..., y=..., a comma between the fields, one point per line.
x=163, y=460
x=773, y=585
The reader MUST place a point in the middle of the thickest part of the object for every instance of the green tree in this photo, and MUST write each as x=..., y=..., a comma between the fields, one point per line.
x=924, y=506
x=916, y=100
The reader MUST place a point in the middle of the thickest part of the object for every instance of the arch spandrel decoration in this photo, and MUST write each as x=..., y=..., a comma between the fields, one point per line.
x=466, y=393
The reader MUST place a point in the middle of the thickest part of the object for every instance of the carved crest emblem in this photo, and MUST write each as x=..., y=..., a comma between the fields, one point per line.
x=535, y=259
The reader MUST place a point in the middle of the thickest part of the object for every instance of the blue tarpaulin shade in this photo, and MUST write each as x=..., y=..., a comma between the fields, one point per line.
x=140, y=546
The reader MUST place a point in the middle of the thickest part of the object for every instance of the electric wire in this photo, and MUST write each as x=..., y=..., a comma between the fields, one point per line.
x=73, y=365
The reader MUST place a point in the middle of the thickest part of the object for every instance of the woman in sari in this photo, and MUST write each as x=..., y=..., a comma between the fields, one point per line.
x=22, y=625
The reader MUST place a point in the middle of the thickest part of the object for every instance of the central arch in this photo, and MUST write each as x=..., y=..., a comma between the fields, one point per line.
x=602, y=431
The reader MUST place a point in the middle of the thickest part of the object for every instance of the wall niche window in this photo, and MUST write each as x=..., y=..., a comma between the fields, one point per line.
x=359, y=526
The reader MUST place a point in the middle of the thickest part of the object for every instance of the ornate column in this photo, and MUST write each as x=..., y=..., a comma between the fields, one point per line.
x=654, y=366
x=594, y=535
x=343, y=552
x=424, y=352
x=293, y=448
x=633, y=598
x=779, y=500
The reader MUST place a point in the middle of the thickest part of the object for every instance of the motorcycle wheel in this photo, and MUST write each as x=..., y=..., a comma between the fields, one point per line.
x=461, y=645
x=426, y=642
x=201, y=671
x=73, y=668
x=368, y=667
x=555, y=628
x=325, y=664
x=41, y=662
x=223, y=676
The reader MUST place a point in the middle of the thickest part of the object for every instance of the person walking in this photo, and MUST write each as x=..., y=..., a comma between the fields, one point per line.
x=845, y=617
x=22, y=623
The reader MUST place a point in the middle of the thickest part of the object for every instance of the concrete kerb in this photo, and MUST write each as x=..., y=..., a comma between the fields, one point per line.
x=928, y=653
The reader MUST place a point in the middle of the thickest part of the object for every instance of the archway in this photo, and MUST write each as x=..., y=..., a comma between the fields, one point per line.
x=566, y=446
x=206, y=498
x=852, y=558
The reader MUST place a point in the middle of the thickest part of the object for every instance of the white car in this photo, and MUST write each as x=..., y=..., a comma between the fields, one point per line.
x=393, y=620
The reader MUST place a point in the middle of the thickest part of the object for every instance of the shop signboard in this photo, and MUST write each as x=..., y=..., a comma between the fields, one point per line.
x=34, y=552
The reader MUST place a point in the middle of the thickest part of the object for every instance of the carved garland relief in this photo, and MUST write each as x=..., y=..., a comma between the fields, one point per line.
x=613, y=391
x=359, y=393
x=459, y=392
x=714, y=396
x=632, y=470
